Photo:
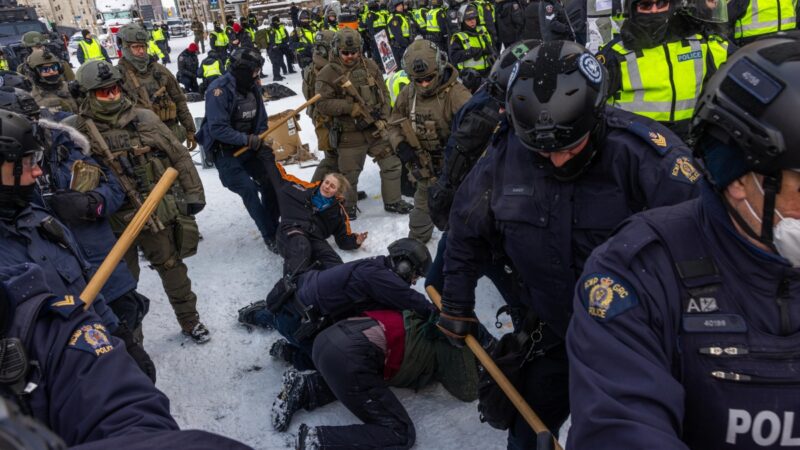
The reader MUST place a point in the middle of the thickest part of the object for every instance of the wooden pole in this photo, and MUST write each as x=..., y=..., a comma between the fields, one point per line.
x=128, y=236
x=499, y=377
x=278, y=124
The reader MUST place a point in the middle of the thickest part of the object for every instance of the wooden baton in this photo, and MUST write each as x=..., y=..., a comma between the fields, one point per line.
x=278, y=124
x=128, y=236
x=499, y=377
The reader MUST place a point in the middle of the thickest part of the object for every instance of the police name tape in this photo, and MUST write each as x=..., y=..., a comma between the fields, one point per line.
x=278, y=124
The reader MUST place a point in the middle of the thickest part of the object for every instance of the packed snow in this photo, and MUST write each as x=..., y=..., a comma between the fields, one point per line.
x=227, y=385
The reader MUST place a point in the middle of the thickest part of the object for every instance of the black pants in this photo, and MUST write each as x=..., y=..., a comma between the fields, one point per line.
x=276, y=59
x=353, y=368
x=190, y=83
x=289, y=55
x=301, y=252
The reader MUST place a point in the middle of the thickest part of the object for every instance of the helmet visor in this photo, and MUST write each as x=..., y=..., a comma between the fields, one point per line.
x=713, y=11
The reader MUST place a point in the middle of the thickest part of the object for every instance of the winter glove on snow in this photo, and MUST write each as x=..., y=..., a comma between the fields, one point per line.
x=73, y=206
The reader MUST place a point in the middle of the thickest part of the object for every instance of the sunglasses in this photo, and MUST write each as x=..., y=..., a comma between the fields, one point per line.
x=49, y=68
x=107, y=92
x=427, y=79
x=647, y=5
x=348, y=53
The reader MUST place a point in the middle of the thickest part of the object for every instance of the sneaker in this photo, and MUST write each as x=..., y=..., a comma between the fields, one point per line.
x=282, y=350
x=307, y=438
x=198, y=332
x=362, y=195
x=247, y=315
x=352, y=212
x=290, y=399
x=400, y=207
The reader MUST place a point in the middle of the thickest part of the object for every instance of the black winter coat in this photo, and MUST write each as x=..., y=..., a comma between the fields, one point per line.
x=187, y=64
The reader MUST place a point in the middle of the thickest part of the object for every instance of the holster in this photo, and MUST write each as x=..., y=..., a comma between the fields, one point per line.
x=334, y=134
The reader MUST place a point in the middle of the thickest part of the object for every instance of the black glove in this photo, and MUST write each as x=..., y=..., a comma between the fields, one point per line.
x=73, y=206
x=254, y=142
x=137, y=352
x=440, y=199
x=456, y=322
x=407, y=154
x=194, y=208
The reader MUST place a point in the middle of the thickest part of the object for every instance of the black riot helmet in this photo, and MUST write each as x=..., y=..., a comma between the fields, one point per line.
x=245, y=57
x=497, y=81
x=18, y=101
x=743, y=121
x=410, y=258
x=18, y=139
x=14, y=79
x=556, y=95
x=304, y=17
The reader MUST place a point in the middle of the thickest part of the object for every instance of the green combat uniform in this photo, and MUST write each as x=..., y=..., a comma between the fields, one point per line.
x=138, y=147
x=151, y=85
x=322, y=47
x=50, y=92
x=358, y=113
x=199, y=34
x=34, y=40
x=428, y=113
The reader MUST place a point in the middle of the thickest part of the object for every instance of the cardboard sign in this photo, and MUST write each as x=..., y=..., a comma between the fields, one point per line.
x=385, y=50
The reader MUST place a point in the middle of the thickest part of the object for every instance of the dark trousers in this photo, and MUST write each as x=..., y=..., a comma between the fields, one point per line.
x=289, y=55
x=301, y=252
x=190, y=83
x=276, y=60
x=247, y=176
x=164, y=47
x=353, y=368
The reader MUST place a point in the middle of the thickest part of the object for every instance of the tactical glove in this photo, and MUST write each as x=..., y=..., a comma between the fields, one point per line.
x=73, y=206
x=456, y=322
x=357, y=111
x=254, y=142
x=136, y=350
x=191, y=141
x=473, y=53
x=407, y=154
x=194, y=208
x=440, y=199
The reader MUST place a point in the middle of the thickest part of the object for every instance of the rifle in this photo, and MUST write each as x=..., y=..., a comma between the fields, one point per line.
x=122, y=168
x=380, y=124
x=425, y=171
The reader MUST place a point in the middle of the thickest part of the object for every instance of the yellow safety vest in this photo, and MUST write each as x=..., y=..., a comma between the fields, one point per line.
x=158, y=34
x=478, y=40
x=766, y=16
x=252, y=34
x=405, y=27
x=91, y=51
x=211, y=70
x=152, y=49
x=432, y=21
x=381, y=19
x=221, y=39
x=421, y=17
x=280, y=34
x=395, y=83
x=3, y=64
x=648, y=81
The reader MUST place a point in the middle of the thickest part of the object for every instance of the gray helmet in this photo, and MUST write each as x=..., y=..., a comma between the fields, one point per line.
x=96, y=75
x=18, y=101
x=132, y=33
x=323, y=41
x=33, y=39
x=347, y=39
x=467, y=11
x=423, y=58
x=43, y=57
x=410, y=258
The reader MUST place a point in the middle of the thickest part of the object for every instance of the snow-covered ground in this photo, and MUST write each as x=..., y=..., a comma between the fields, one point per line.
x=228, y=385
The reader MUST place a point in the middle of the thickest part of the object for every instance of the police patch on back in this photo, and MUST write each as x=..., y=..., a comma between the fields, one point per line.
x=606, y=296
x=91, y=338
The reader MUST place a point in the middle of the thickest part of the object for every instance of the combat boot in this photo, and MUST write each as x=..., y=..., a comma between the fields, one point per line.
x=249, y=315
x=283, y=350
x=307, y=438
x=352, y=212
x=292, y=398
x=197, y=331
x=400, y=207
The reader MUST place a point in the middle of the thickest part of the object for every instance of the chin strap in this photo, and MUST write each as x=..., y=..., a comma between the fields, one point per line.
x=771, y=186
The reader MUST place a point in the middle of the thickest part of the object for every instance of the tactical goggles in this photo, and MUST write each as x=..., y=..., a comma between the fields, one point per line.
x=426, y=79
x=348, y=52
x=107, y=92
x=54, y=67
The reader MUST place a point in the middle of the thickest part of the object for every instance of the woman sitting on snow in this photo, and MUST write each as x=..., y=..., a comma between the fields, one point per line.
x=310, y=213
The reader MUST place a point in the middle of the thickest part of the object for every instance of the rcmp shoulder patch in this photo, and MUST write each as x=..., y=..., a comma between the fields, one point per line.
x=91, y=338
x=65, y=306
x=684, y=170
x=217, y=92
x=605, y=296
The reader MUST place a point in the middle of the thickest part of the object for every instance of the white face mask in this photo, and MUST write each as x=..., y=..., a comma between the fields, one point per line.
x=785, y=235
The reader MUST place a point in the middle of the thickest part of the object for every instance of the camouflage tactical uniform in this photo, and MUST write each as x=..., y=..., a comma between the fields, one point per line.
x=51, y=93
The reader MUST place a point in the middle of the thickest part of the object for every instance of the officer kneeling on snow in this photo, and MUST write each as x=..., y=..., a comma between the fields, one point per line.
x=299, y=309
x=685, y=332
x=558, y=178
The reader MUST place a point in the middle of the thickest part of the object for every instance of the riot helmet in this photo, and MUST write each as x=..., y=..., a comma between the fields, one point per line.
x=95, y=75
x=21, y=145
x=33, y=39
x=46, y=67
x=497, y=81
x=132, y=33
x=347, y=40
x=14, y=79
x=18, y=101
x=423, y=60
x=556, y=95
x=466, y=12
x=322, y=42
x=742, y=121
x=410, y=258
x=304, y=18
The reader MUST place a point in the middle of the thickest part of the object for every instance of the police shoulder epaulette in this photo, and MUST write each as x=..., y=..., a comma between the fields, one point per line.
x=658, y=140
x=65, y=306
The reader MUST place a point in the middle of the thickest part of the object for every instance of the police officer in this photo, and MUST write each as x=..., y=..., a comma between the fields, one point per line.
x=303, y=39
x=749, y=20
x=510, y=22
x=89, y=49
x=558, y=177
x=420, y=15
x=659, y=40
x=152, y=86
x=435, y=28
x=472, y=47
x=160, y=37
x=218, y=41
x=280, y=38
x=34, y=40
x=401, y=28
x=187, y=68
x=452, y=19
x=137, y=146
x=323, y=41
x=374, y=21
x=248, y=33
x=210, y=69
x=235, y=116
x=331, y=22
x=356, y=113
x=554, y=21
x=427, y=105
x=701, y=297
x=49, y=87
x=395, y=83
